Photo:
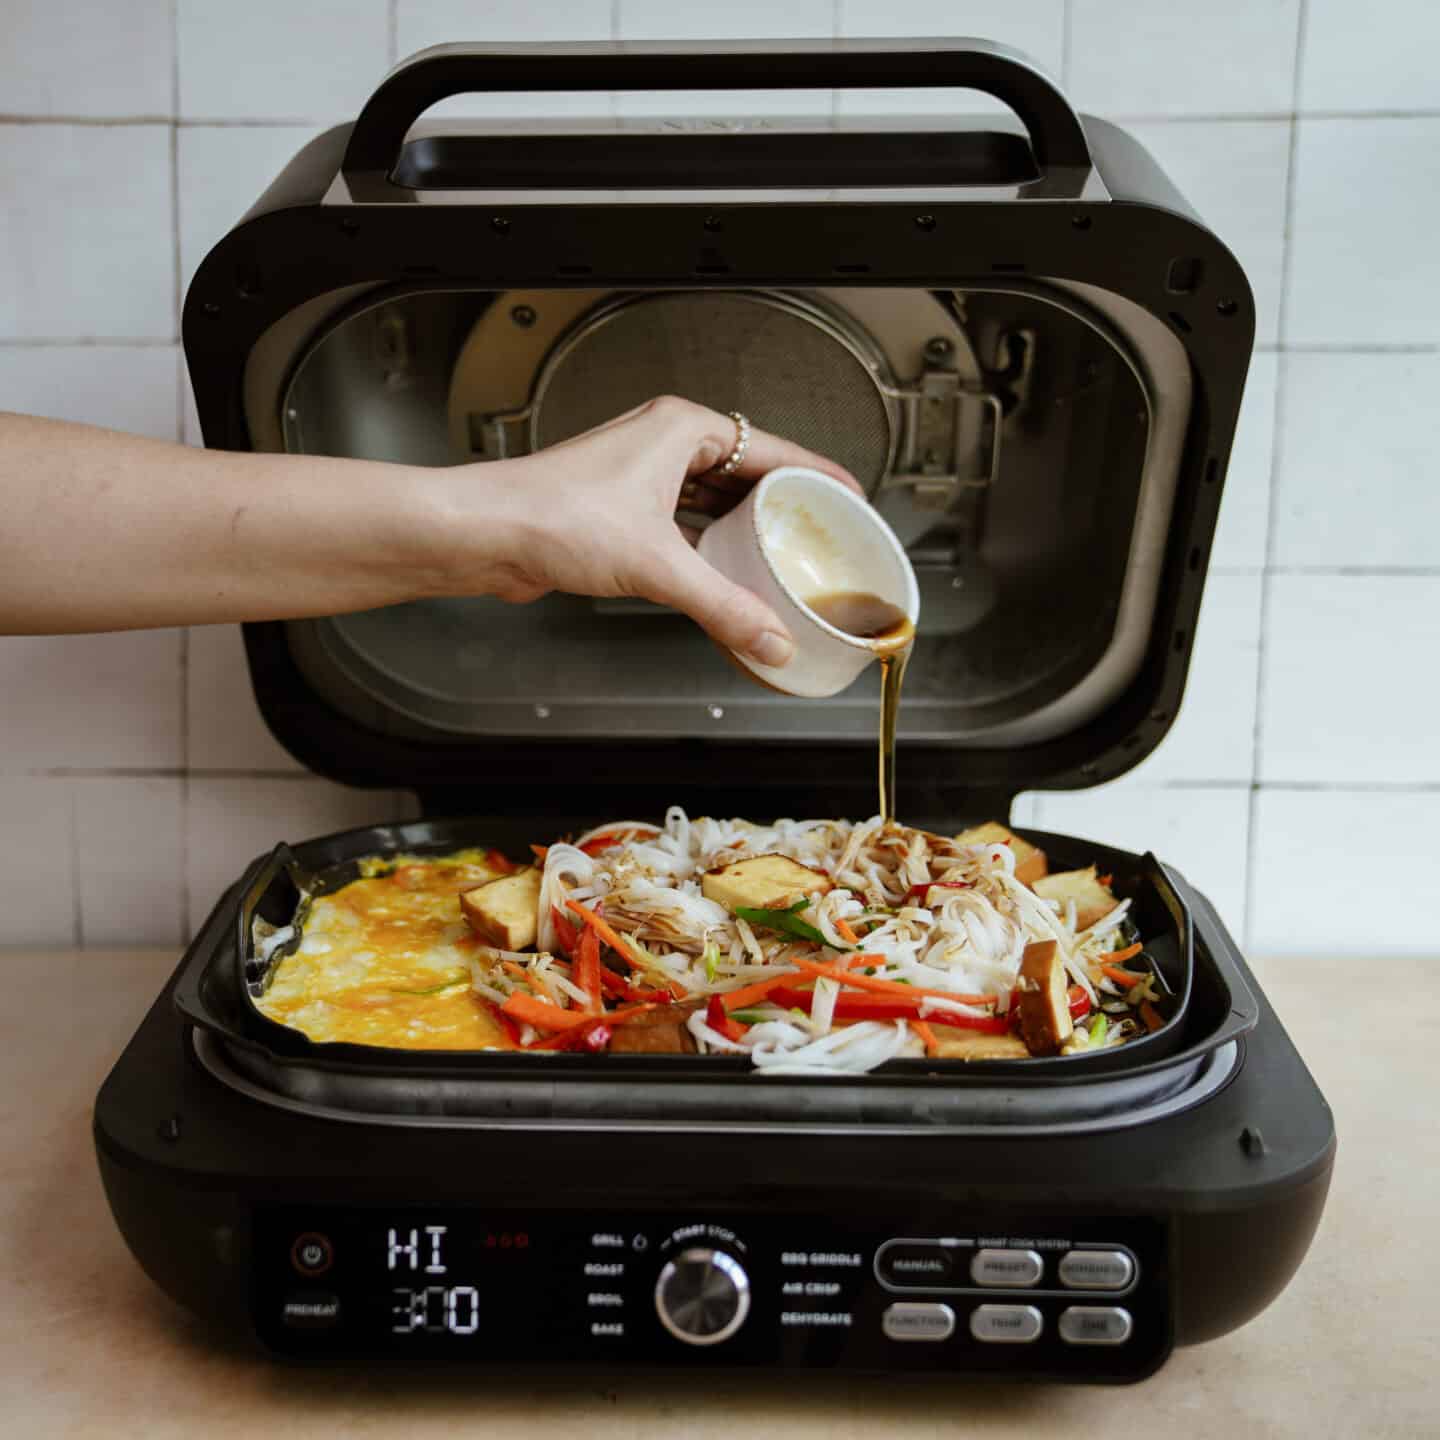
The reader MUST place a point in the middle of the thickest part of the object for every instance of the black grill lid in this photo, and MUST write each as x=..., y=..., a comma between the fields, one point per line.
x=1068, y=233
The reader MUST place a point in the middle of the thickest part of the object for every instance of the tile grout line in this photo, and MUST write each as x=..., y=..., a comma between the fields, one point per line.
x=1277, y=454
x=77, y=898
x=176, y=297
x=1067, y=44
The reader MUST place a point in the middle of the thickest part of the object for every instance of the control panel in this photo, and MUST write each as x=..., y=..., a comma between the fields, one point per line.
x=1069, y=1299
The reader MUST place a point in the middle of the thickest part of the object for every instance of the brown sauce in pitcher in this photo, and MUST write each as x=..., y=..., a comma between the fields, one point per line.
x=891, y=634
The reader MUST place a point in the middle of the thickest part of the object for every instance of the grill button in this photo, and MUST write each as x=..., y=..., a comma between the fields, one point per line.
x=1006, y=1269
x=1006, y=1324
x=1096, y=1270
x=1095, y=1325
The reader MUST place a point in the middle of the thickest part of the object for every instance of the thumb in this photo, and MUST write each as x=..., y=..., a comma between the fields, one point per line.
x=730, y=614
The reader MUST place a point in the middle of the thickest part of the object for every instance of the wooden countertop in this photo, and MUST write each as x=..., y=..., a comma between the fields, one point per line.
x=89, y=1346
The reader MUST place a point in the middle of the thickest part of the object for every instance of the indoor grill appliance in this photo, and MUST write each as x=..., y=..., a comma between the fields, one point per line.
x=1031, y=353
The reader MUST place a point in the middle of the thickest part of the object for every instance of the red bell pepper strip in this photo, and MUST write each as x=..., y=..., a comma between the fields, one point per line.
x=749, y=994
x=882, y=987
x=497, y=860
x=606, y=931
x=586, y=970
x=594, y=1036
x=1079, y=1003
x=890, y=1007
x=564, y=930
x=720, y=1022
x=937, y=885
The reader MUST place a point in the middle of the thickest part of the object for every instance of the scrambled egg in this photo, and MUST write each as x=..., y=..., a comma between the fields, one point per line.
x=383, y=960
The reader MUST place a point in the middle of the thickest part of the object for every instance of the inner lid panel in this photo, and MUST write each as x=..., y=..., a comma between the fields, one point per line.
x=1023, y=440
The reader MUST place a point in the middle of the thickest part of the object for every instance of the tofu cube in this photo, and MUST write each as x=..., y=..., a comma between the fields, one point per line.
x=1093, y=900
x=764, y=882
x=1030, y=862
x=1043, y=998
x=953, y=1044
x=505, y=912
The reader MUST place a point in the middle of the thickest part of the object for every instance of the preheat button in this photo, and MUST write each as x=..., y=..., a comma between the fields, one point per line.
x=1096, y=1270
x=1006, y=1324
x=915, y=1264
x=1095, y=1325
x=918, y=1320
x=1006, y=1269
x=314, y=1310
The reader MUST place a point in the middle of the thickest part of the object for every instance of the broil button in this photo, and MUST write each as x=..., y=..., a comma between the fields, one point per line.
x=1006, y=1269
x=1095, y=1325
x=918, y=1320
x=915, y=1264
x=1096, y=1270
x=1006, y=1324
x=313, y=1310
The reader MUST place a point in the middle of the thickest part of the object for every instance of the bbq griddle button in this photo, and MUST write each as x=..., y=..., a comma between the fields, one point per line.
x=702, y=1296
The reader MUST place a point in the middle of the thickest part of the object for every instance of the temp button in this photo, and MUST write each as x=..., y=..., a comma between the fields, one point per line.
x=1006, y=1324
x=918, y=1320
x=1006, y=1269
x=1095, y=1325
x=1096, y=1270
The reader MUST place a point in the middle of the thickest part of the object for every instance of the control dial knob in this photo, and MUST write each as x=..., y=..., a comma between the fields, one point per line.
x=702, y=1296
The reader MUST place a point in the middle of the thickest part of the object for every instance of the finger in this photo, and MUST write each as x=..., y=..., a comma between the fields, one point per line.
x=705, y=498
x=769, y=452
x=731, y=615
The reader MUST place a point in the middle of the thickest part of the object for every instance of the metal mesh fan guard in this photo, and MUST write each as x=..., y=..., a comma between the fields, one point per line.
x=788, y=367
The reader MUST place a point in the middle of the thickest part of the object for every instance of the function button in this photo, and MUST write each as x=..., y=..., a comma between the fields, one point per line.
x=1096, y=1270
x=312, y=1253
x=316, y=1310
x=1095, y=1325
x=1006, y=1324
x=918, y=1320
x=1006, y=1269
x=916, y=1264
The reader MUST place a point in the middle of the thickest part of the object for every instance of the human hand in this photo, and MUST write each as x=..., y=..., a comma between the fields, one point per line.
x=596, y=516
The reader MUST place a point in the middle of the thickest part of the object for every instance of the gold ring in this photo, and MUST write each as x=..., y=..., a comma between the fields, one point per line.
x=736, y=457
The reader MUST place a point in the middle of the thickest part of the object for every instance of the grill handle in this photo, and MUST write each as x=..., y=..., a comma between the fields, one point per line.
x=430, y=76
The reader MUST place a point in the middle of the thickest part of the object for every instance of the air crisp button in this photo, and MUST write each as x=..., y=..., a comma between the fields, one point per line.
x=1095, y=1325
x=1006, y=1269
x=1006, y=1324
x=1096, y=1270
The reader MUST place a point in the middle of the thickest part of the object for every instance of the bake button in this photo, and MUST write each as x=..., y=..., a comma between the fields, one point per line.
x=1006, y=1269
x=313, y=1311
x=1006, y=1324
x=312, y=1253
x=918, y=1320
x=1095, y=1325
x=1096, y=1270
x=915, y=1265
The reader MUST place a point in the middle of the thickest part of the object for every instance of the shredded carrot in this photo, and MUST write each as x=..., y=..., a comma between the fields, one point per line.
x=1121, y=977
x=540, y=852
x=1151, y=1016
x=551, y=1017
x=604, y=930
x=845, y=932
x=1118, y=957
x=749, y=994
x=884, y=987
x=924, y=1031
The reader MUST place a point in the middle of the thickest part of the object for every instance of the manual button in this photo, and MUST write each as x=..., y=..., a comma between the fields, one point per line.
x=1096, y=1270
x=1006, y=1324
x=1006, y=1269
x=918, y=1320
x=916, y=1265
x=1095, y=1325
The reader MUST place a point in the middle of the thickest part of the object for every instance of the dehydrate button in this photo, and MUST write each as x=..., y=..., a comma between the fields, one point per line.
x=1006, y=1324
x=1096, y=1270
x=1095, y=1325
x=1006, y=1269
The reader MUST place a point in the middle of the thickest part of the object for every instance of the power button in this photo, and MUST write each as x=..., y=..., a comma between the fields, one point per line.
x=312, y=1253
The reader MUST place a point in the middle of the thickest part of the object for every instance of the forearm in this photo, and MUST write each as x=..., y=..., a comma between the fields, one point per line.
x=103, y=531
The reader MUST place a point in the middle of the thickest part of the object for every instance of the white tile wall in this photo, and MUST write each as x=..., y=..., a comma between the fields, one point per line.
x=1349, y=680
x=87, y=58
x=274, y=59
x=1367, y=211
x=1359, y=462
x=1232, y=57
x=64, y=187
x=1326, y=588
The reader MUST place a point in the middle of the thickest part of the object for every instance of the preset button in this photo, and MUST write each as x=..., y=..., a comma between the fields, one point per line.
x=1006, y=1269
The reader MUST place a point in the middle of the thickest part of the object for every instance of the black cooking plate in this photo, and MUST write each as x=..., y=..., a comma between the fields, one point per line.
x=214, y=991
